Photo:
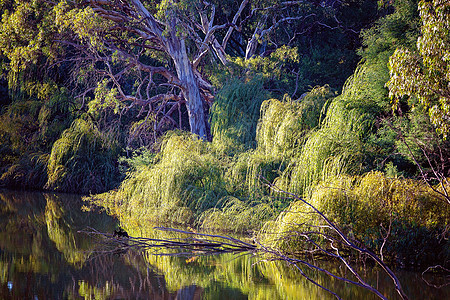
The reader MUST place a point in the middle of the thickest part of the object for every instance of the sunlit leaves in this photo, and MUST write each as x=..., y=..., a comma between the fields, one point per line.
x=83, y=160
x=25, y=35
x=365, y=204
x=104, y=98
x=425, y=73
x=83, y=21
x=270, y=66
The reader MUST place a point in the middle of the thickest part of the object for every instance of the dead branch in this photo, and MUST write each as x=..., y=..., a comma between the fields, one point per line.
x=349, y=243
x=438, y=175
x=437, y=267
x=202, y=244
x=209, y=244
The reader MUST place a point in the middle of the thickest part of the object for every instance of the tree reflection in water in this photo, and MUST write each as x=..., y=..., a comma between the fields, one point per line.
x=43, y=256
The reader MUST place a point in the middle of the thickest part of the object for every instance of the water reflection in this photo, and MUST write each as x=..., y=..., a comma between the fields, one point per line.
x=43, y=256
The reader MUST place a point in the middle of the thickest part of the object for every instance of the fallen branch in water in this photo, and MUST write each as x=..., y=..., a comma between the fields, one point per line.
x=202, y=244
x=341, y=240
x=436, y=268
x=207, y=244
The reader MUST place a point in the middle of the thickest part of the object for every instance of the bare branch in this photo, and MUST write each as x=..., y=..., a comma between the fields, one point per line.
x=350, y=244
x=423, y=174
x=235, y=18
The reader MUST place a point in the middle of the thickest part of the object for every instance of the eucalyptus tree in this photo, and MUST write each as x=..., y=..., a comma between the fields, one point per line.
x=425, y=72
x=163, y=47
x=155, y=56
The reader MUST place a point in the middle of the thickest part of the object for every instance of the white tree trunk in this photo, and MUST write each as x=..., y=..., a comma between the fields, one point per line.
x=175, y=47
x=191, y=92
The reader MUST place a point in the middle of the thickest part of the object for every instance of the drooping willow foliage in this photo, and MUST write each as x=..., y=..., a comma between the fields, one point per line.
x=185, y=178
x=281, y=132
x=191, y=181
x=296, y=144
x=29, y=172
x=83, y=160
x=235, y=114
x=371, y=208
x=338, y=146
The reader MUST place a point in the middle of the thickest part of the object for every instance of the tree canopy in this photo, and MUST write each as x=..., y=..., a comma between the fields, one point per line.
x=424, y=72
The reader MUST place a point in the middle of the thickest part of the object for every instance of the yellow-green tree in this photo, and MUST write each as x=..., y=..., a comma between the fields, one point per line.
x=425, y=73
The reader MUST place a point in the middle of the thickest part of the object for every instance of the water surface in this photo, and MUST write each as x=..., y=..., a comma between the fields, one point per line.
x=44, y=256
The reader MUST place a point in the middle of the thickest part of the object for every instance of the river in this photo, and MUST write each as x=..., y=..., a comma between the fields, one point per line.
x=43, y=255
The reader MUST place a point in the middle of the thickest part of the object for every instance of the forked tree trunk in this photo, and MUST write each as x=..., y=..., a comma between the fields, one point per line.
x=175, y=47
x=191, y=91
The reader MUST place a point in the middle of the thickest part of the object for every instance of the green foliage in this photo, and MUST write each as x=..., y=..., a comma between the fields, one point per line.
x=270, y=66
x=190, y=181
x=420, y=141
x=281, y=133
x=83, y=160
x=234, y=115
x=27, y=40
x=400, y=27
x=185, y=180
x=339, y=146
x=237, y=216
x=367, y=208
x=104, y=98
x=284, y=124
x=303, y=144
x=424, y=72
x=28, y=130
x=28, y=172
x=20, y=125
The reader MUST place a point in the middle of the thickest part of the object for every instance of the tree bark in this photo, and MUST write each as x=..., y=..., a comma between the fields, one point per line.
x=175, y=47
x=191, y=91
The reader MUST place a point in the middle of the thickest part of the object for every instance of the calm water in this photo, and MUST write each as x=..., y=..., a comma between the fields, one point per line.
x=43, y=256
